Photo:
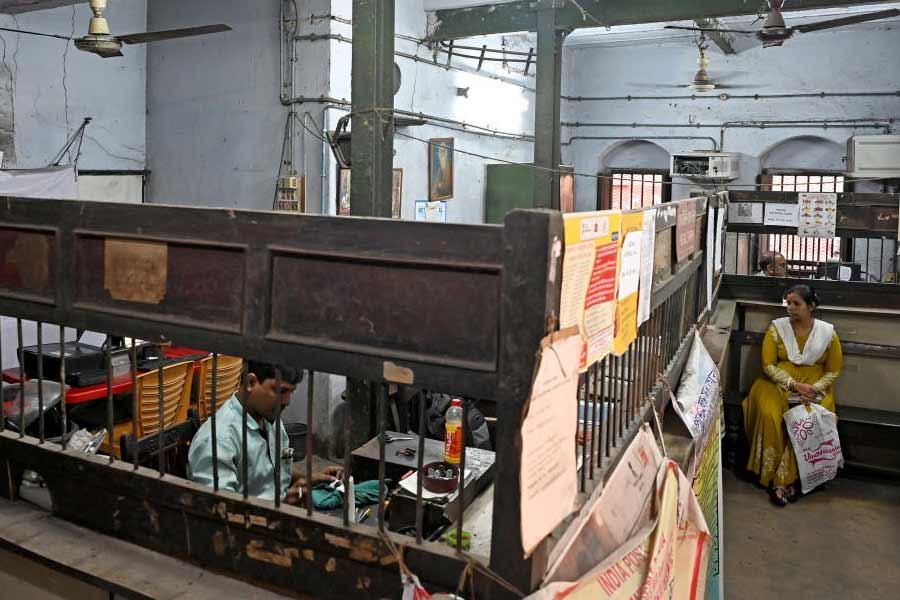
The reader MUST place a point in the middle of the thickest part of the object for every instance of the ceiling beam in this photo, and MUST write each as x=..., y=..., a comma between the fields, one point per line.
x=23, y=6
x=721, y=39
x=522, y=16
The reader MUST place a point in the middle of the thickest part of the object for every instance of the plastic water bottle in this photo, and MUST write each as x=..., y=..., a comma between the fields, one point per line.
x=453, y=432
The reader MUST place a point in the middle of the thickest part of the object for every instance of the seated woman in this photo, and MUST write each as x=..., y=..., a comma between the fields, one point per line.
x=801, y=359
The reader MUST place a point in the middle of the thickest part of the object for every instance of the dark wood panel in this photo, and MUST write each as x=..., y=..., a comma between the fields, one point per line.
x=446, y=314
x=27, y=263
x=752, y=338
x=849, y=294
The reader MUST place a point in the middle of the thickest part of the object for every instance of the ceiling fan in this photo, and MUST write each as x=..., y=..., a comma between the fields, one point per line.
x=774, y=31
x=702, y=82
x=99, y=41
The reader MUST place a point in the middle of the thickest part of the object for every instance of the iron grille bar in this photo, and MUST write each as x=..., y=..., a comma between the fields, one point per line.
x=21, y=379
x=595, y=433
x=420, y=507
x=245, y=471
x=310, y=401
x=462, y=478
x=110, y=431
x=40, y=371
x=135, y=411
x=62, y=386
x=348, y=450
x=277, y=426
x=582, y=385
x=382, y=409
x=212, y=417
x=160, y=378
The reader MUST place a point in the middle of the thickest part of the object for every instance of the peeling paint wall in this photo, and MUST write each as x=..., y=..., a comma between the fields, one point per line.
x=860, y=59
x=54, y=86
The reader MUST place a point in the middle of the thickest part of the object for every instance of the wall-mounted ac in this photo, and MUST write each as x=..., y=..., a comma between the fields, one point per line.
x=873, y=156
x=700, y=166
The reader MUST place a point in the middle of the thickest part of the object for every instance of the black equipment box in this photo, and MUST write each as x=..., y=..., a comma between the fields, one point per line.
x=85, y=364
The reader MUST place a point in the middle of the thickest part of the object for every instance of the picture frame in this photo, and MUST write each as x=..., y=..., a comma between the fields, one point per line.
x=342, y=200
x=440, y=169
x=396, y=193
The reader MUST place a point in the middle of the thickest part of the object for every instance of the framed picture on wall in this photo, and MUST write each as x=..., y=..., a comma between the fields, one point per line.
x=343, y=192
x=440, y=168
x=396, y=193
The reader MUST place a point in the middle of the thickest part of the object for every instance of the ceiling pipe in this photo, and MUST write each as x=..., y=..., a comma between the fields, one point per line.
x=635, y=138
x=726, y=96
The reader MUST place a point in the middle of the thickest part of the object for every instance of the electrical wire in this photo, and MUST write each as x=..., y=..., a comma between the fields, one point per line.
x=65, y=74
x=380, y=112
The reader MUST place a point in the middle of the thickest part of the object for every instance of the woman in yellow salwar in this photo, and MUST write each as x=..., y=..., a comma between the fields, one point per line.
x=801, y=359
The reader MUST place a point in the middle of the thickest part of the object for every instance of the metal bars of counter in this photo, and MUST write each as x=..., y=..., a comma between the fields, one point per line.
x=614, y=392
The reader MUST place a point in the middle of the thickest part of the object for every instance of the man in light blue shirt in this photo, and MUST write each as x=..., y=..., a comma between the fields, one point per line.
x=262, y=399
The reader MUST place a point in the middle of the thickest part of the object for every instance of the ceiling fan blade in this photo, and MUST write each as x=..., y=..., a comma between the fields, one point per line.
x=656, y=86
x=50, y=35
x=709, y=29
x=171, y=34
x=872, y=16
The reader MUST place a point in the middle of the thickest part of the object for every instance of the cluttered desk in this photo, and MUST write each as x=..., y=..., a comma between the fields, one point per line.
x=440, y=491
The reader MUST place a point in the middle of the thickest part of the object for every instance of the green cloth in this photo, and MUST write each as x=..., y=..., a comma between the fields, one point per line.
x=325, y=498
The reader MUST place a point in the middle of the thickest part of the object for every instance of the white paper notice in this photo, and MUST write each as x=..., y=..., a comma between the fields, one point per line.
x=818, y=214
x=844, y=273
x=648, y=250
x=548, y=479
x=577, y=263
x=782, y=215
x=720, y=236
x=630, y=267
x=745, y=212
x=710, y=238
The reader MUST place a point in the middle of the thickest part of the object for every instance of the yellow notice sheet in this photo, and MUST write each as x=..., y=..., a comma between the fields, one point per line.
x=632, y=227
x=548, y=478
x=589, y=280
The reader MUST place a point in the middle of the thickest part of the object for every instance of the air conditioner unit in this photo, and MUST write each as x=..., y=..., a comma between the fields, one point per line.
x=698, y=165
x=873, y=156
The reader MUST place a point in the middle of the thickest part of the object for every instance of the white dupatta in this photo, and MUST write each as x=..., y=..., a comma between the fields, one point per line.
x=816, y=344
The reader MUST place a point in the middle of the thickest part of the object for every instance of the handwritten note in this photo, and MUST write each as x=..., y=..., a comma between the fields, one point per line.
x=709, y=254
x=548, y=478
x=782, y=215
x=685, y=229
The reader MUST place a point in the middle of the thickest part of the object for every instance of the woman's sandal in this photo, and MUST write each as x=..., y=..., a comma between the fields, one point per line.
x=778, y=496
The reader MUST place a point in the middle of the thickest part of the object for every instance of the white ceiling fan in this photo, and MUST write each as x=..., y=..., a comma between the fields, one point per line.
x=99, y=41
x=775, y=31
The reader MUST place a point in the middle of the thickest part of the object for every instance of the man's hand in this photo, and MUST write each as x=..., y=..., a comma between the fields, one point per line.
x=294, y=496
x=328, y=475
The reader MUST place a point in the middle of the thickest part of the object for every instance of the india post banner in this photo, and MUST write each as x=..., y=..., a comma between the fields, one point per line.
x=708, y=490
x=590, y=266
x=632, y=228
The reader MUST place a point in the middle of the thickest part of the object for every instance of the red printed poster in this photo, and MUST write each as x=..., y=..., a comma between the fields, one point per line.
x=590, y=266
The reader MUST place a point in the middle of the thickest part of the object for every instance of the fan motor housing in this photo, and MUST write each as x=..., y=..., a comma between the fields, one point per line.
x=102, y=45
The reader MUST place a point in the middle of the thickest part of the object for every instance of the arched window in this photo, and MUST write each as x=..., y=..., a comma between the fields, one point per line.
x=635, y=175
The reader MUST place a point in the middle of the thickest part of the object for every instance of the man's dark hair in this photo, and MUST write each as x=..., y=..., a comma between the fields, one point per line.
x=265, y=371
x=767, y=259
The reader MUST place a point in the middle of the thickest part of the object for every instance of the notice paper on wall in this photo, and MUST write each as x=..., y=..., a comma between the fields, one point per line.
x=782, y=215
x=747, y=213
x=720, y=236
x=432, y=212
x=632, y=229
x=590, y=266
x=710, y=266
x=818, y=214
x=548, y=477
x=648, y=250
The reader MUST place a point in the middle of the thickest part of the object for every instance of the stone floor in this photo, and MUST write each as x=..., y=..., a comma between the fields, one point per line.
x=840, y=542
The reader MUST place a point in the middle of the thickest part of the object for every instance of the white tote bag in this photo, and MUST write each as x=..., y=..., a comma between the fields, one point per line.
x=814, y=436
